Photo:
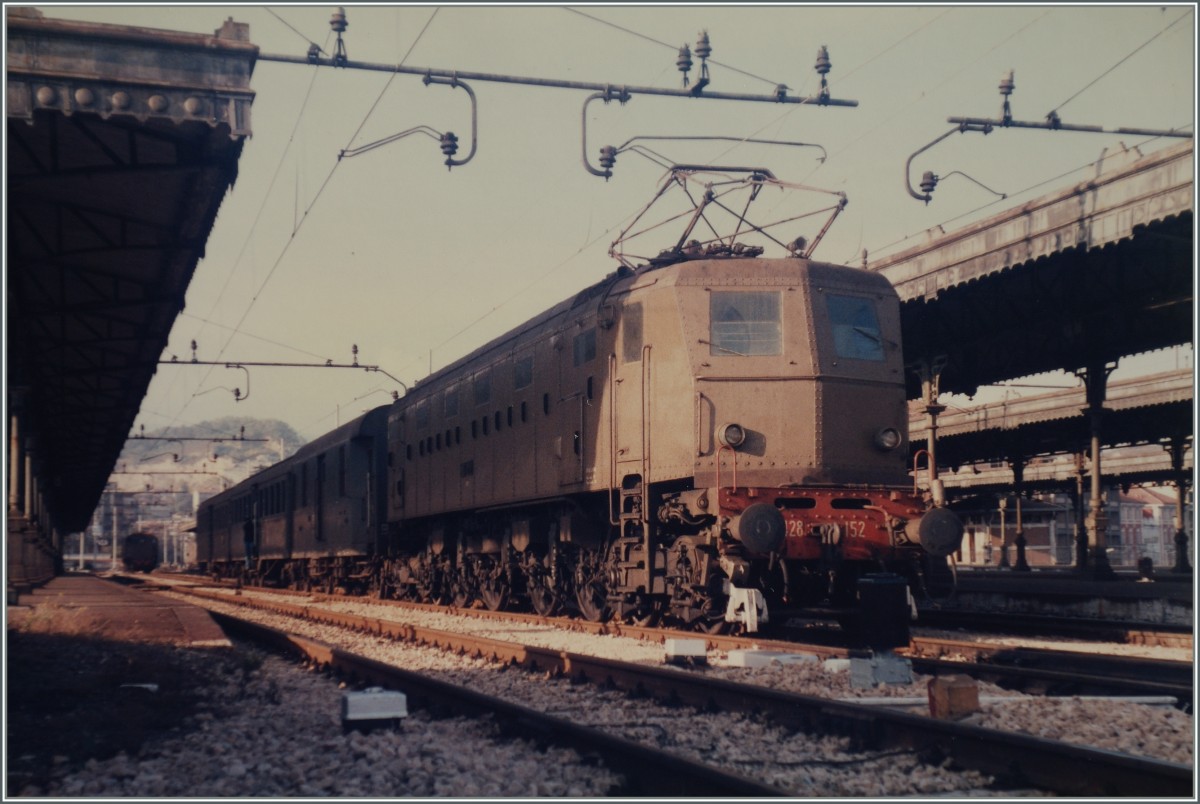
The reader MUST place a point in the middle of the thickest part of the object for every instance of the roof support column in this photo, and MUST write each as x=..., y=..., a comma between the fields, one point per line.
x=1081, y=540
x=15, y=464
x=1176, y=447
x=1018, y=465
x=1095, y=378
x=930, y=374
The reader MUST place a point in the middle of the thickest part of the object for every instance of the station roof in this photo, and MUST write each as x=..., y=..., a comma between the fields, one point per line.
x=122, y=143
x=1080, y=277
x=1143, y=410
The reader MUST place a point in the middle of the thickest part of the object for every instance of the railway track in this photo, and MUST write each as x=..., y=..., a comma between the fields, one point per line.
x=647, y=771
x=1130, y=633
x=1019, y=759
x=1037, y=671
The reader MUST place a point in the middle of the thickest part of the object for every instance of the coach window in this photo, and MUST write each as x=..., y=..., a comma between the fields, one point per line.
x=485, y=425
x=546, y=404
x=522, y=372
x=585, y=346
x=439, y=442
x=745, y=323
x=855, y=325
x=524, y=412
x=498, y=421
x=457, y=435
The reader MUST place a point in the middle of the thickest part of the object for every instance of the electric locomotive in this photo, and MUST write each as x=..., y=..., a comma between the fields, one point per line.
x=699, y=441
x=139, y=552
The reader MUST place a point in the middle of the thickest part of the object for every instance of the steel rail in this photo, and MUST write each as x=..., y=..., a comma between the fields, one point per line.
x=1044, y=624
x=1064, y=768
x=647, y=771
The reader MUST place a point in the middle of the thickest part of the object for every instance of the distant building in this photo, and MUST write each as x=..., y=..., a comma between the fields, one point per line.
x=1141, y=524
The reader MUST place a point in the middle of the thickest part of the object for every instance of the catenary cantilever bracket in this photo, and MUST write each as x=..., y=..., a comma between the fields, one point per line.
x=454, y=82
x=960, y=128
x=608, y=155
x=448, y=141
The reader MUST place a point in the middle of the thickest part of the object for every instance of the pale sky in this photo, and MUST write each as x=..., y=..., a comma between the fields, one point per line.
x=419, y=265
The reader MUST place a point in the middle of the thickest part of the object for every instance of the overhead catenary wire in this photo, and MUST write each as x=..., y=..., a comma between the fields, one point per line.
x=670, y=47
x=1132, y=53
x=1016, y=194
x=236, y=329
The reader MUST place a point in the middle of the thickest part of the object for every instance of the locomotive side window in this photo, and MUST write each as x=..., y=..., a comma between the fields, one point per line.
x=523, y=372
x=585, y=346
x=631, y=333
x=483, y=388
x=451, y=408
x=745, y=323
x=422, y=415
x=856, y=332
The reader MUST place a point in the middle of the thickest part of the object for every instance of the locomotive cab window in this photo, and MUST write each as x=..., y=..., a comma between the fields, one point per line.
x=856, y=333
x=745, y=323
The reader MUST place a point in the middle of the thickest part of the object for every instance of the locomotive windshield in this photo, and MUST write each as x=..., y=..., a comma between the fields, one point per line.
x=745, y=323
x=856, y=332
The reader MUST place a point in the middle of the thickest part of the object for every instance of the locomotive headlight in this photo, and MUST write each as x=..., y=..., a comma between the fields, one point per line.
x=731, y=435
x=888, y=439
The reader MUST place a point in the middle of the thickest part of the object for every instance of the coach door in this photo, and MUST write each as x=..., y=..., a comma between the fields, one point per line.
x=580, y=368
x=630, y=401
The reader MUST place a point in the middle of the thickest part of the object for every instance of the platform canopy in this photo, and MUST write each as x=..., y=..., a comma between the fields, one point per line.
x=122, y=143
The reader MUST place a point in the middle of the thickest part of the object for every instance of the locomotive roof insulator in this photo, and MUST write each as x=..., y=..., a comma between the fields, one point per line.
x=684, y=62
x=703, y=48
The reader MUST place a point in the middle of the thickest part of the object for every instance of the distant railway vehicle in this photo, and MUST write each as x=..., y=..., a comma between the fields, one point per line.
x=699, y=440
x=140, y=552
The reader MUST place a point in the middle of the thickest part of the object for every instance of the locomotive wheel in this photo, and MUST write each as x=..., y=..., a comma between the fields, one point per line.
x=593, y=603
x=543, y=600
x=461, y=589
x=494, y=593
